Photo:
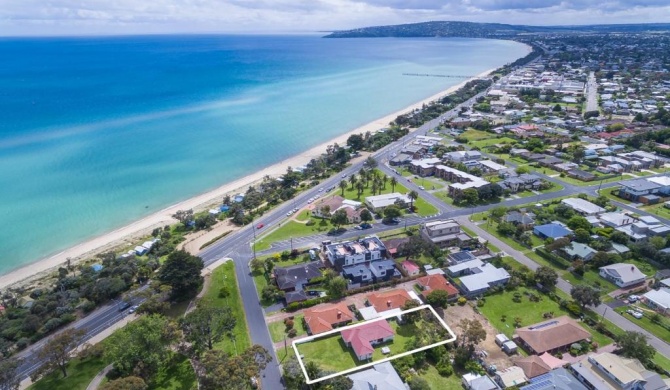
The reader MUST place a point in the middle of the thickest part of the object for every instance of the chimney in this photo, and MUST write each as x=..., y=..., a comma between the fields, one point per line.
x=632, y=268
x=388, y=303
x=339, y=314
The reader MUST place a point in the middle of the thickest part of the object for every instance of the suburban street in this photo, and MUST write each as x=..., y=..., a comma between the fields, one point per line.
x=591, y=93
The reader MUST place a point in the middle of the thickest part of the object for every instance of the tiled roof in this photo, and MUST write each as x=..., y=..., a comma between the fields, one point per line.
x=388, y=300
x=321, y=318
x=436, y=282
x=360, y=336
x=532, y=366
x=552, y=334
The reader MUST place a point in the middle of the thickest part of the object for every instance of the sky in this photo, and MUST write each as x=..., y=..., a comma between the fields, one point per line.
x=120, y=17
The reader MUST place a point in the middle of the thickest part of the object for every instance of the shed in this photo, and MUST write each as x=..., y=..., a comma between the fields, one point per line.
x=509, y=347
x=501, y=339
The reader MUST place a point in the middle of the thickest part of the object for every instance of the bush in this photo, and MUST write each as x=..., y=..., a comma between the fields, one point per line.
x=292, y=333
x=289, y=324
x=462, y=301
x=87, y=306
x=444, y=368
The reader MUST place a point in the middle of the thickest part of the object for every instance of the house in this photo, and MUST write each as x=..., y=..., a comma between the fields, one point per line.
x=324, y=208
x=578, y=251
x=478, y=382
x=481, y=279
x=518, y=218
x=363, y=338
x=293, y=278
x=388, y=300
x=583, y=207
x=658, y=300
x=325, y=317
x=623, y=275
x=551, y=230
x=394, y=245
x=430, y=283
x=373, y=272
x=513, y=376
x=532, y=366
x=581, y=175
x=348, y=253
x=424, y=167
x=378, y=203
x=551, y=336
x=558, y=379
x=445, y=233
x=607, y=371
x=616, y=220
x=464, y=268
x=524, y=181
x=489, y=166
x=637, y=188
x=380, y=376
x=410, y=268
x=462, y=156
x=460, y=257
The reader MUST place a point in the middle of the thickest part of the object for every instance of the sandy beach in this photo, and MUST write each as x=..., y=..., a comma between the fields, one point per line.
x=128, y=235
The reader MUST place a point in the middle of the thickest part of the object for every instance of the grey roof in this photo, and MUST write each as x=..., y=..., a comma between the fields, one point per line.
x=380, y=376
x=626, y=272
x=482, y=277
x=640, y=185
x=295, y=296
x=558, y=379
x=461, y=257
x=580, y=250
x=376, y=267
x=297, y=275
x=483, y=383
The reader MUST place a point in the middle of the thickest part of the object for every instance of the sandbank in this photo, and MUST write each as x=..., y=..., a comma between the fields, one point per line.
x=130, y=234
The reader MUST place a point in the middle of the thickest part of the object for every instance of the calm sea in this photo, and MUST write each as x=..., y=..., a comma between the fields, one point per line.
x=98, y=132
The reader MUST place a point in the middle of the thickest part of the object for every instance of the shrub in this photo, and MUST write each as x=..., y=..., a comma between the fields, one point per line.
x=462, y=301
x=289, y=324
x=292, y=333
x=444, y=368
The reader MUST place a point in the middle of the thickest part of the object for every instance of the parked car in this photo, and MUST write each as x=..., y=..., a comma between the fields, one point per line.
x=635, y=314
x=421, y=188
x=633, y=298
x=260, y=226
x=133, y=309
x=366, y=226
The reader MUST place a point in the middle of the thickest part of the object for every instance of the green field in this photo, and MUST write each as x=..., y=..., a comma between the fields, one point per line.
x=656, y=329
x=528, y=311
x=437, y=381
x=476, y=135
x=483, y=143
x=591, y=278
x=178, y=375
x=657, y=209
x=277, y=328
x=224, y=275
x=80, y=374
x=293, y=229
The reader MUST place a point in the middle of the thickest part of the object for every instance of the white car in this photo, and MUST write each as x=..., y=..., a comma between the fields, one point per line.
x=635, y=314
x=633, y=298
x=421, y=188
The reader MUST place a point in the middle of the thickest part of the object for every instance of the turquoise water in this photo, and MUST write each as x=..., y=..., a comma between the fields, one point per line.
x=94, y=130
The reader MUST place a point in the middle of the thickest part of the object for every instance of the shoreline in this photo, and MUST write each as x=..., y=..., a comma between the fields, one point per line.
x=128, y=234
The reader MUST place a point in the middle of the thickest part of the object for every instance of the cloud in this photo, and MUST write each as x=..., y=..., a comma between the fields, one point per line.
x=45, y=17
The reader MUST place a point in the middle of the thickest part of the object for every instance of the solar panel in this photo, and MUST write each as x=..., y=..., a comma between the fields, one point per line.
x=550, y=323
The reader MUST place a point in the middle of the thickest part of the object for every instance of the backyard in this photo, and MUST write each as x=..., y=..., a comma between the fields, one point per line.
x=278, y=329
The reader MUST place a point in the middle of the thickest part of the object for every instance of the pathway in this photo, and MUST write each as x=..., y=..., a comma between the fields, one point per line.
x=95, y=383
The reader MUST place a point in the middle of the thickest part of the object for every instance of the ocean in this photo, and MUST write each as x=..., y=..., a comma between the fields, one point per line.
x=97, y=132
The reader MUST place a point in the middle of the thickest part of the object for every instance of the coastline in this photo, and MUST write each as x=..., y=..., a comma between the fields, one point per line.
x=126, y=235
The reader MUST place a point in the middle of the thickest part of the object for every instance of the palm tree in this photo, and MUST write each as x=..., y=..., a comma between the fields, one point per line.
x=375, y=186
x=413, y=195
x=394, y=181
x=343, y=186
x=352, y=180
x=360, y=187
x=385, y=179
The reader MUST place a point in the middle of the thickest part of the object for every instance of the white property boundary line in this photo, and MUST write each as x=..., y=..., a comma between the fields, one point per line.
x=357, y=368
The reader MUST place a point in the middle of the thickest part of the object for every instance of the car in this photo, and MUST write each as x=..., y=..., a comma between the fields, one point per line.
x=133, y=309
x=421, y=188
x=366, y=226
x=260, y=226
x=289, y=213
x=321, y=189
x=295, y=210
x=633, y=298
x=344, y=176
x=123, y=305
x=358, y=228
x=635, y=313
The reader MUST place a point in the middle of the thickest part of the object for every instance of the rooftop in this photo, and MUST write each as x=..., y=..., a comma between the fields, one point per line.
x=321, y=318
x=583, y=206
x=360, y=336
x=388, y=300
x=552, y=334
x=623, y=271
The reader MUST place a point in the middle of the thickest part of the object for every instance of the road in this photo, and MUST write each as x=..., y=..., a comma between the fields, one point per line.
x=591, y=93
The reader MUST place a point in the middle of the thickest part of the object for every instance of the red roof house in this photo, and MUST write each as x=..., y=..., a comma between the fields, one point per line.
x=363, y=338
x=410, y=267
x=430, y=283
x=388, y=300
x=322, y=318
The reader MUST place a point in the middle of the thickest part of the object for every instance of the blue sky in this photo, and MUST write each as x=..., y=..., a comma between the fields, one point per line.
x=75, y=17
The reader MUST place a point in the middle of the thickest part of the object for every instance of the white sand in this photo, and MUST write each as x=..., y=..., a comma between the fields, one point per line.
x=129, y=234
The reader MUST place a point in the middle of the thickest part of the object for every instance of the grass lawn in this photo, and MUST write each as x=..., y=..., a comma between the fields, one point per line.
x=79, y=375
x=657, y=209
x=430, y=183
x=352, y=193
x=224, y=275
x=591, y=278
x=330, y=353
x=607, y=192
x=645, y=267
x=261, y=281
x=423, y=208
x=529, y=312
x=656, y=329
x=477, y=135
x=292, y=229
x=277, y=328
x=492, y=140
x=662, y=361
x=303, y=216
x=178, y=375
x=438, y=382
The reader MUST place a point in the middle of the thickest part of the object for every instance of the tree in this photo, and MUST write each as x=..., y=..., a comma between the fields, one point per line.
x=360, y=187
x=585, y=295
x=220, y=371
x=206, y=325
x=271, y=293
x=582, y=235
x=339, y=218
x=182, y=271
x=557, y=244
x=366, y=215
x=619, y=237
x=437, y=298
x=56, y=353
x=414, y=246
x=127, y=383
x=579, y=222
x=142, y=347
x=184, y=216
x=370, y=162
x=546, y=276
x=522, y=169
x=9, y=378
x=418, y=383
x=412, y=195
x=391, y=212
x=356, y=142
x=352, y=181
x=336, y=287
x=472, y=332
x=634, y=345
x=393, y=182
x=343, y=186
x=497, y=213
x=414, y=316
x=470, y=196
x=257, y=265
x=657, y=242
